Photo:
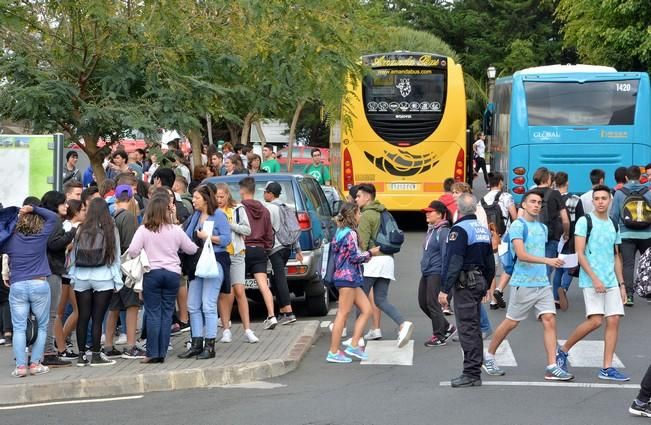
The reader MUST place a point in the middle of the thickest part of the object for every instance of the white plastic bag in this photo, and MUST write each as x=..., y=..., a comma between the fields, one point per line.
x=207, y=266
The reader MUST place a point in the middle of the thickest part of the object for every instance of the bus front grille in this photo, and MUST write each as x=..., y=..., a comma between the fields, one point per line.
x=397, y=131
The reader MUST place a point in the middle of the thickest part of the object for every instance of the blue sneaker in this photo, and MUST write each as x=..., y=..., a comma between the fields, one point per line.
x=555, y=373
x=357, y=352
x=561, y=358
x=612, y=374
x=338, y=357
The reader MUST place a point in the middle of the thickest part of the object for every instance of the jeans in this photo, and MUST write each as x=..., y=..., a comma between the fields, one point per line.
x=551, y=251
x=428, y=293
x=380, y=288
x=645, y=387
x=278, y=261
x=55, y=295
x=202, y=306
x=34, y=294
x=480, y=163
x=484, y=323
x=160, y=287
x=629, y=248
x=562, y=279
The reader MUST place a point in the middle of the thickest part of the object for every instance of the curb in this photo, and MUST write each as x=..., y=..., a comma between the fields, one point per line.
x=163, y=381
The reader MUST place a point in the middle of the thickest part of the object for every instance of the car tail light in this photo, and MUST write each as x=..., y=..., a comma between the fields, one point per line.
x=520, y=190
x=459, y=166
x=304, y=221
x=294, y=270
x=349, y=181
x=520, y=171
x=519, y=180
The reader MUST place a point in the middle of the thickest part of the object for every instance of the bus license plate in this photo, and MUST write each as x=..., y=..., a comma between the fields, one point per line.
x=250, y=284
x=403, y=186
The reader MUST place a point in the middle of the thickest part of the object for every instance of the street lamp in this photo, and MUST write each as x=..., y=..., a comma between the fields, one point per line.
x=490, y=73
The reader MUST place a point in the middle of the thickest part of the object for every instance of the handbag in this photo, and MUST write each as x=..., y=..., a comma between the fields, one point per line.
x=207, y=266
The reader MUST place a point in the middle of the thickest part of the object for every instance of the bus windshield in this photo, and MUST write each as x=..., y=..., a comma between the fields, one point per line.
x=397, y=91
x=595, y=103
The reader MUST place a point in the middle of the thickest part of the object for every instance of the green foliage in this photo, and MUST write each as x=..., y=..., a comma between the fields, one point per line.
x=404, y=38
x=609, y=32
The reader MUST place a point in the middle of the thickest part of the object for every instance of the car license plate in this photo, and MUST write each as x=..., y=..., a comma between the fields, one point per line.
x=403, y=186
x=250, y=284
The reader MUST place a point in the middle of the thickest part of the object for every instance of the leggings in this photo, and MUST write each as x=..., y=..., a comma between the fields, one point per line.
x=380, y=288
x=91, y=304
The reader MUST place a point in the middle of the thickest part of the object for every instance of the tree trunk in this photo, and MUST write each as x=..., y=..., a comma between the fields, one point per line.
x=92, y=151
x=292, y=134
x=258, y=127
x=246, y=128
x=209, y=126
x=195, y=141
x=234, y=131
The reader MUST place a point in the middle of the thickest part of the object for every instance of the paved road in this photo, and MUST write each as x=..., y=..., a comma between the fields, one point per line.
x=321, y=393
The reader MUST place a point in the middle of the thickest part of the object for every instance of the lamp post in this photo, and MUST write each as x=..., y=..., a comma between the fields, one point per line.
x=490, y=73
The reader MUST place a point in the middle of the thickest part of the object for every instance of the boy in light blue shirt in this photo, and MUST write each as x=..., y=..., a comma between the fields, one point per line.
x=597, y=242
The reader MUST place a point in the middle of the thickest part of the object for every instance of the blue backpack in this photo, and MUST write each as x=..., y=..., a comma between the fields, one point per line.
x=508, y=259
x=389, y=237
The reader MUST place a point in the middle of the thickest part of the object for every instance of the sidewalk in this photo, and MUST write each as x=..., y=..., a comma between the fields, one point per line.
x=278, y=352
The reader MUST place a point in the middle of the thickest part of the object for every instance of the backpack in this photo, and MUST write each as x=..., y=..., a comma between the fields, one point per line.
x=636, y=210
x=389, y=236
x=330, y=262
x=509, y=258
x=494, y=214
x=90, y=248
x=642, y=282
x=289, y=230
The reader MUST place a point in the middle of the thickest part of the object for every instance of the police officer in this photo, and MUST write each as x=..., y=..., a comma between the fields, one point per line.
x=467, y=268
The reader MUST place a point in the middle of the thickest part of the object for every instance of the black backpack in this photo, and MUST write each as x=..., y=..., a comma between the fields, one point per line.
x=636, y=210
x=494, y=214
x=90, y=248
x=389, y=236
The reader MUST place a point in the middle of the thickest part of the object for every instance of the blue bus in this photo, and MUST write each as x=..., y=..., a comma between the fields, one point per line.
x=571, y=118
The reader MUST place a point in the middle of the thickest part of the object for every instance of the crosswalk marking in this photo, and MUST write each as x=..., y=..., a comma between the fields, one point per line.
x=387, y=353
x=590, y=354
x=556, y=384
x=504, y=355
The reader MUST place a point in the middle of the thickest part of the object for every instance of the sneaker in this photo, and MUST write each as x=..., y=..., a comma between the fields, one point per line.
x=250, y=336
x=142, y=344
x=184, y=327
x=3, y=341
x=38, y=369
x=357, y=352
x=175, y=330
x=635, y=409
x=270, y=323
x=434, y=341
x=555, y=373
x=338, y=357
x=494, y=306
x=561, y=358
x=447, y=311
x=100, y=359
x=19, y=372
x=286, y=318
x=54, y=361
x=373, y=334
x=170, y=347
x=133, y=353
x=68, y=354
x=112, y=353
x=122, y=339
x=612, y=374
x=349, y=342
x=405, y=333
x=227, y=336
x=83, y=360
x=344, y=333
x=490, y=367
x=451, y=331
x=499, y=298
x=629, y=301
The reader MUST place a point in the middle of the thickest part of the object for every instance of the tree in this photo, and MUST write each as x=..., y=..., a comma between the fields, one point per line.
x=613, y=32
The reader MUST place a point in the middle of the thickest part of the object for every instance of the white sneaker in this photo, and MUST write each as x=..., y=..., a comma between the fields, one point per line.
x=227, y=336
x=373, y=334
x=250, y=336
x=349, y=342
x=221, y=325
x=344, y=333
x=270, y=323
x=122, y=339
x=405, y=333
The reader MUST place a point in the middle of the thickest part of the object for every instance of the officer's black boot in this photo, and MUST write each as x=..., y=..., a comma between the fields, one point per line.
x=465, y=381
x=195, y=348
x=208, y=350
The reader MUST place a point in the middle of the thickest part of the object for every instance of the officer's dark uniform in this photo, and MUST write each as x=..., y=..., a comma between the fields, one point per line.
x=468, y=269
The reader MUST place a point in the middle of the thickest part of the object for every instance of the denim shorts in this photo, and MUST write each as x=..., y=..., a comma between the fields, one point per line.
x=95, y=285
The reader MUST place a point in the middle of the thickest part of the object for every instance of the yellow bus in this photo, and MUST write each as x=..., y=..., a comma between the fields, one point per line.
x=403, y=128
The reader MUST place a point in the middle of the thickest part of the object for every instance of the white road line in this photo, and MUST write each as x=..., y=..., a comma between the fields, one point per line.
x=504, y=355
x=255, y=385
x=387, y=353
x=57, y=403
x=589, y=354
x=551, y=384
x=332, y=312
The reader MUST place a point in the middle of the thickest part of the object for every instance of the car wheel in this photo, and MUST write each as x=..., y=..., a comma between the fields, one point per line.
x=318, y=305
